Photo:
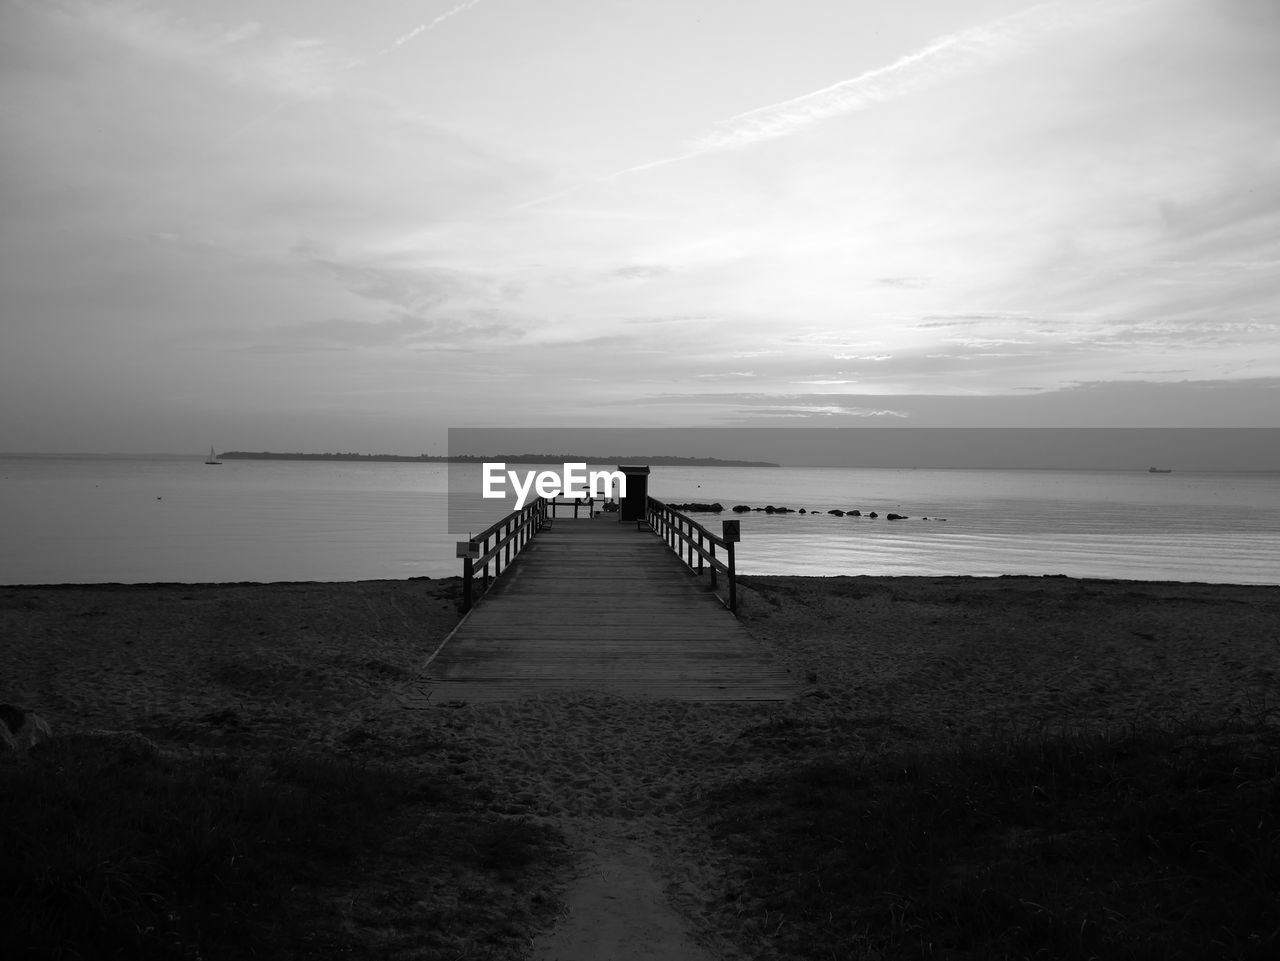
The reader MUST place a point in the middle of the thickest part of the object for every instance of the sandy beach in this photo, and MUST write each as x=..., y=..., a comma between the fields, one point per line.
x=883, y=662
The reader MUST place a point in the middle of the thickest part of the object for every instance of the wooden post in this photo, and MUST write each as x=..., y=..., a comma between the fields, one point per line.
x=467, y=574
x=732, y=531
x=733, y=580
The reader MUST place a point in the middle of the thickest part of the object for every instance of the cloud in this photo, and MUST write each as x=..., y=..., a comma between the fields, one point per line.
x=828, y=410
x=940, y=60
x=674, y=319
x=456, y=330
x=776, y=404
x=414, y=290
x=295, y=67
x=642, y=271
x=943, y=59
x=429, y=25
x=959, y=320
x=246, y=31
x=243, y=55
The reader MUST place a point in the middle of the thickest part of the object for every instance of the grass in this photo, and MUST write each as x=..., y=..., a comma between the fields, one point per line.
x=1151, y=844
x=109, y=849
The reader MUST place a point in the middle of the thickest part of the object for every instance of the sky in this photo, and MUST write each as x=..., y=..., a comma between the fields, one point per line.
x=312, y=225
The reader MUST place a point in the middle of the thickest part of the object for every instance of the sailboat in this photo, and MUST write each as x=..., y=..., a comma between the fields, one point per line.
x=212, y=459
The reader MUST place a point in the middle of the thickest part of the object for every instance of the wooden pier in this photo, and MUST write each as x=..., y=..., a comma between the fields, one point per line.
x=591, y=604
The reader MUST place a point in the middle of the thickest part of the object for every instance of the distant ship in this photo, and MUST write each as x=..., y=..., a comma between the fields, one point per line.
x=213, y=460
x=1159, y=470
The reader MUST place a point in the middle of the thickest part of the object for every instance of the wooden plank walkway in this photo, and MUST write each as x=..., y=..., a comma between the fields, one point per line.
x=595, y=605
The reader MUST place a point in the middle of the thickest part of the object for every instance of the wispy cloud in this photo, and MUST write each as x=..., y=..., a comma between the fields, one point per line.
x=242, y=55
x=291, y=72
x=806, y=411
x=642, y=271
x=457, y=330
x=943, y=59
x=301, y=67
x=429, y=25
x=772, y=405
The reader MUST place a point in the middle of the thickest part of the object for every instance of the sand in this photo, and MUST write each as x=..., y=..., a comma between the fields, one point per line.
x=884, y=663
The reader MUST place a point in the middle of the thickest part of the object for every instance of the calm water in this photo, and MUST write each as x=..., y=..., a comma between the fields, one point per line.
x=145, y=519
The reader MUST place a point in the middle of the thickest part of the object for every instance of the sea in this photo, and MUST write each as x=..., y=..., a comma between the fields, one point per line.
x=81, y=519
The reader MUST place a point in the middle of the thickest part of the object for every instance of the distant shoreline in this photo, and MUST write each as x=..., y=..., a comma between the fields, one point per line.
x=659, y=461
x=664, y=461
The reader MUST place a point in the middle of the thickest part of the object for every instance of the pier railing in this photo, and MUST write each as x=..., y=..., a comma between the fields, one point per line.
x=695, y=545
x=497, y=545
x=585, y=503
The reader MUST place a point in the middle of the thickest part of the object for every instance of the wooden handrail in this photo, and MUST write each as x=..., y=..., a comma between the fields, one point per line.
x=576, y=502
x=498, y=544
x=679, y=531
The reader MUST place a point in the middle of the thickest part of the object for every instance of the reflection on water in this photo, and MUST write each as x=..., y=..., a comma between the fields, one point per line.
x=175, y=519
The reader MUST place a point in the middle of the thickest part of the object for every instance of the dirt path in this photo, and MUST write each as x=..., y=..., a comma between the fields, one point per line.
x=616, y=909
